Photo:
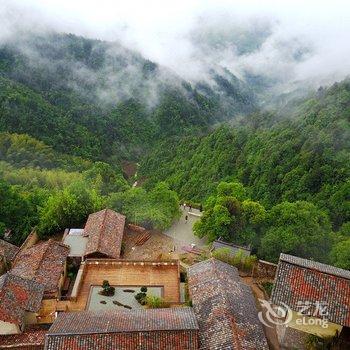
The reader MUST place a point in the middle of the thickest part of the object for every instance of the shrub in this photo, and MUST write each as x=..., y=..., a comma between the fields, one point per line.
x=143, y=289
x=267, y=287
x=141, y=298
x=107, y=290
x=154, y=302
x=240, y=260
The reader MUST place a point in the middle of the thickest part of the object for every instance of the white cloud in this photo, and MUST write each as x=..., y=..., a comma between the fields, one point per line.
x=161, y=31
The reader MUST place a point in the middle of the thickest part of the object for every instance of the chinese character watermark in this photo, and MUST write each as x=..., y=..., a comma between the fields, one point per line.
x=308, y=314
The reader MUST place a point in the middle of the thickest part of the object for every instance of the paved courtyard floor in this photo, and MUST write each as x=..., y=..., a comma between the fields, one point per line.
x=182, y=230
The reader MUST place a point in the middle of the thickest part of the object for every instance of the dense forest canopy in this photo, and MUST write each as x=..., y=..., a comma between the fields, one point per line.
x=73, y=109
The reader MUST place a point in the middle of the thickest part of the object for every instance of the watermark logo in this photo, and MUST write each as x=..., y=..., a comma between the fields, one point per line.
x=308, y=314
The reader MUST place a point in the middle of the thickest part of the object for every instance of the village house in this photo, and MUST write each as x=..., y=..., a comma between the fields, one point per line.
x=101, y=237
x=318, y=298
x=44, y=263
x=8, y=252
x=171, y=328
x=20, y=300
x=224, y=307
x=224, y=316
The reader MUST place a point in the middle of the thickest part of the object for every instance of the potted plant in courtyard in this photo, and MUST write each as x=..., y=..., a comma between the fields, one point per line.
x=107, y=289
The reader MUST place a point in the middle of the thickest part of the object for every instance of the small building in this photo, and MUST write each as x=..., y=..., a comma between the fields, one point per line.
x=224, y=307
x=20, y=299
x=8, y=252
x=219, y=243
x=43, y=263
x=101, y=238
x=172, y=328
x=75, y=239
x=105, y=230
x=313, y=292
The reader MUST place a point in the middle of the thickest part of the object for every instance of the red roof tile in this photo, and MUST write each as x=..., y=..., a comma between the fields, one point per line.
x=300, y=282
x=44, y=263
x=8, y=250
x=173, y=328
x=32, y=338
x=18, y=295
x=225, y=308
x=105, y=230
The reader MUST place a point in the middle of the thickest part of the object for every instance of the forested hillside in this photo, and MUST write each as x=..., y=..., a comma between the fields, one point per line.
x=286, y=162
x=305, y=156
x=72, y=109
x=99, y=100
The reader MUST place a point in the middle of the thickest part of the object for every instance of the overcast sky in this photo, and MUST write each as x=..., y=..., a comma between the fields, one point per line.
x=160, y=30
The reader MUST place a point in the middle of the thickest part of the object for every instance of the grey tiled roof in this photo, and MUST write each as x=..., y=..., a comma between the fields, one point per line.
x=44, y=263
x=314, y=265
x=18, y=295
x=225, y=308
x=301, y=282
x=116, y=321
x=8, y=250
x=105, y=230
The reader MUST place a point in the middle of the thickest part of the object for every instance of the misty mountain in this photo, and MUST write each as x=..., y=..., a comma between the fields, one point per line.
x=65, y=90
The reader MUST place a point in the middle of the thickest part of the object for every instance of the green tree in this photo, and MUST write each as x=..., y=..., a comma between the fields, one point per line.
x=298, y=228
x=68, y=208
x=156, y=208
x=105, y=179
x=230, y=216
x=17, y=213
x=340, y=254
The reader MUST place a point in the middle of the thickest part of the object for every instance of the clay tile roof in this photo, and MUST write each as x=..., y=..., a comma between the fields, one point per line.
x=44, y=263
x=225, y=308
x=32, y=338
x=8, y=250
x=86, y=330
x=105, y=231
x=300, y=281
x=18, y=295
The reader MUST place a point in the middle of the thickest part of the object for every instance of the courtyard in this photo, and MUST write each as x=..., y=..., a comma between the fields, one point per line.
x=123, y=298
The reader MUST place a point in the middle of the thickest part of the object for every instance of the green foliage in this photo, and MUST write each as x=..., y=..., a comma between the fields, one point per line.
x=107, y=289
x=154, y=302
x=298, y=228
x=233, y=189
x=230, y=216
x=16, y=212
x=105, y=179
x=268, y=286
x=68, y=208
x=240, y=260
x=141, y=297
x=155, y=208
x=91, y=115
x=340, y=254
x=298, y=154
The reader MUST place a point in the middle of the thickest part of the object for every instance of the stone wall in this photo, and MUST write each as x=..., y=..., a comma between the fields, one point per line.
x=136, y=228
x=264, y=269
x=32, y=239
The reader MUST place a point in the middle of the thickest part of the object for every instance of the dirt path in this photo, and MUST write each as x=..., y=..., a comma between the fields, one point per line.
x=270, y=333
x=129, y=168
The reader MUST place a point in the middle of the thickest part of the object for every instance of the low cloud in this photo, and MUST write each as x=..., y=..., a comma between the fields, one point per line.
x=299, y=43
